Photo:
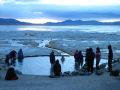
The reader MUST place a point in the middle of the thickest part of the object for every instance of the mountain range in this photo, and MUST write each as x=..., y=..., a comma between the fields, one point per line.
x=4, y=21
x=63, y=23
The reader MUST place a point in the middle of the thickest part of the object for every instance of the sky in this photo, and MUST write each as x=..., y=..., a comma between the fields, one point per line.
x=42, y=11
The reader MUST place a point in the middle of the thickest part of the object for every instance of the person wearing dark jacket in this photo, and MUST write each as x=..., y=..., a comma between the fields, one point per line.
x=86, y=58
x=80, y=59
x=52, y=57
x=13, y=55
x=11, y=74
x=76, y=56
x=110, y=57
x=57, y=68
x=76, y=60
x=91, y=57
x=20, y=56
x=52, y=62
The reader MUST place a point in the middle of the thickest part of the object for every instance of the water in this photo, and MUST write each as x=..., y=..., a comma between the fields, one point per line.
x=41, y=65
x=82, y=28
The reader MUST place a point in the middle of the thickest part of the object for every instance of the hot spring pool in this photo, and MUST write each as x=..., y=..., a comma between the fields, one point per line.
x=41, y=65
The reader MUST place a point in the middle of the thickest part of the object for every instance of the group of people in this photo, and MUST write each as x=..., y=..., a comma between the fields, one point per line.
x=11, y=61
x=12, y=56
x=78, y=56
x=89, y=59
x=55, y=70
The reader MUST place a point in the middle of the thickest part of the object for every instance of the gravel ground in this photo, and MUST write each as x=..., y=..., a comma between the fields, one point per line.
x=32, y=82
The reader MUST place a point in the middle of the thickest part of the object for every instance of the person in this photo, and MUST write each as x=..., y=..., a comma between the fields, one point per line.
x=20, y=56
x=110, y=57
x=86, y=58
x=57, y=68
x=13, y=54
x=62, y=59
x=52, y=62
x=7, y=60
x=91, y=57
x=80, y=59
x=76, y=56
x=98, y=56
x=76, y=60
x=11, y=74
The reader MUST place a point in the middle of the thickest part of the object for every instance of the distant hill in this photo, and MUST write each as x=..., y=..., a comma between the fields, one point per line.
x=4, y=21
x=80, y=22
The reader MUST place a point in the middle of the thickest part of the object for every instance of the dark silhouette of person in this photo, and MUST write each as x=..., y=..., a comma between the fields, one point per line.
x=76, y=60
x=76, y=56
x=57, y=68
x=110, y=57
x=20, y=56
x=80, y=59
x=98, y=57
x=11, y=74
x=52, y=62
x=7, y=60
x=91, y=57
x=87, y=55
x=13, y=54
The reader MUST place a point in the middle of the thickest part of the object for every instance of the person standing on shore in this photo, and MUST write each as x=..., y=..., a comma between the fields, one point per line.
x=110, y=57
x=76, y=60
x=98, y=56
x=91, y=57
x=80, y=59
x=52, y=62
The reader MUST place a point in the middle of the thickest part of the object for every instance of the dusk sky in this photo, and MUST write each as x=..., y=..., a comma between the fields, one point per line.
x=41, y=11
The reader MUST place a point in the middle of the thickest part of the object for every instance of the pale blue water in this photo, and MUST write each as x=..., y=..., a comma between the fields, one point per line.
x=41, y=65
x=82, y=28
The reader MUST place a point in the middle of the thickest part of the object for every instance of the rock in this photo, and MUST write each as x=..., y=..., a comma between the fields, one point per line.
x=99, y=72
x=67, y=73
x=74, y=73
x=103, y=65
x=114, y=73
x=81, y=73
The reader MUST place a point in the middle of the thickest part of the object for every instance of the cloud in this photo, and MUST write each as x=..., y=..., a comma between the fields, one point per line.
x=81, y=2
x=5, y=1
x=35, y=9
x=82, y=15
x=38, y=13
x=65, y=2
x=19, y=2
x=27, y=0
